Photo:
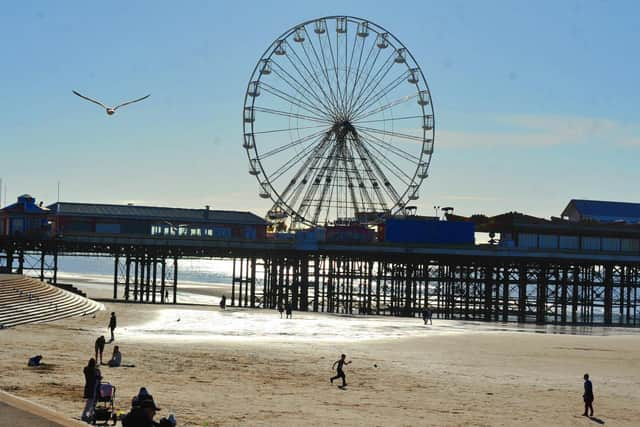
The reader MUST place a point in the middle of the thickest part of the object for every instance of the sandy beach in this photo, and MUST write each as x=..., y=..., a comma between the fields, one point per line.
x=245, y=367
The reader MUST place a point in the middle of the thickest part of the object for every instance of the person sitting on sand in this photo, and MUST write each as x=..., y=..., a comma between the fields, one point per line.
x=340, y=372
x=116, y=358
x=588, y=396
x=99, y=347
x=141, y=415
x=92, y=379
x=143, y=394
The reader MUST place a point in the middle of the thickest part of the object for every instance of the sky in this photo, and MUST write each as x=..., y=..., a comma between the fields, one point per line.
x=535, y=102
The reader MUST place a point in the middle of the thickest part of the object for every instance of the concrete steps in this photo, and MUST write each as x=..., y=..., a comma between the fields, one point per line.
x=26, y=300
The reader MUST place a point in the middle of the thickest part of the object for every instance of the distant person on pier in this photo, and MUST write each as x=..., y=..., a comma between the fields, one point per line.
x=289, y=310
x=92, y=379
x=112, y=325
x=99, y=347
x=116, y=358
x=340, y=372
x=588, y=397
x=223, y=302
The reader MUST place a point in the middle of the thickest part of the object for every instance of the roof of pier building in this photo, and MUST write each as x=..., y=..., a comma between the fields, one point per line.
x=511, y=222
x=26, y=204
x=602, y=211
x=154, y=213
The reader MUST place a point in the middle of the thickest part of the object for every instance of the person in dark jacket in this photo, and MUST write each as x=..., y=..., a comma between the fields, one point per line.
x=289, y=310
x=92, y=379
x=141, y=415
x=112, y=325
x=99, y=347
x=588, y=396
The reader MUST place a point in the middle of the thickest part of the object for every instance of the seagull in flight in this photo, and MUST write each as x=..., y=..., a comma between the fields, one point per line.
x=110, y=110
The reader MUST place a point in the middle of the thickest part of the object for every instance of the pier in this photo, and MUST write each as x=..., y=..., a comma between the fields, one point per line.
x=481, y=282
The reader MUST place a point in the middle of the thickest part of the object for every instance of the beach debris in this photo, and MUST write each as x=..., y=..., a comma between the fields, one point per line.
x=110, y=110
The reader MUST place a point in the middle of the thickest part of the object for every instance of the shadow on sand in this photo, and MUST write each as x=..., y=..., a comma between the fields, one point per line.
x=596, y=420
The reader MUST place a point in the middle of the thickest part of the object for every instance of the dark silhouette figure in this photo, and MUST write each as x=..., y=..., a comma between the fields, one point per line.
x=425, y=315
x=112, y=325
x=588, y=397
x=141, y=415
x=92, y=379
x=100, y=342
x=280, y=309
x=340, y=372
x=223, y=302
x=289, y=310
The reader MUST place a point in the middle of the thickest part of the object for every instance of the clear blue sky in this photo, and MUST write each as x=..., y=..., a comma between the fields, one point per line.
x=536, y=102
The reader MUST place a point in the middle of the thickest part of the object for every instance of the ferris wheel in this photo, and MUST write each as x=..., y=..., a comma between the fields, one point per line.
x=338, y=124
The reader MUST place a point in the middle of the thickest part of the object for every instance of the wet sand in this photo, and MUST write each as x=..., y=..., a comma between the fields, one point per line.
x=251, y=368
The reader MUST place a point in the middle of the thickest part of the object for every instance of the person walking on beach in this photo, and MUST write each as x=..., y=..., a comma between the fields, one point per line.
x=112, y=324
x=280, y=309
x=429, y=316
x=223, y=302
x=289, y=310
x=588, y=397
x=425, y=315
x=340, y=372
x=92, y=379
x=100, y=342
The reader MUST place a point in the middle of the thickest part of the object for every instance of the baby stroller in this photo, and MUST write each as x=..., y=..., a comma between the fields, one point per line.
x=104, y=409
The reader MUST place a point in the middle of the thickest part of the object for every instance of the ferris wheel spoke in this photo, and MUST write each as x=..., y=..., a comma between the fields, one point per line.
x=292, y=144
x=300, y=87
x=360, y=181
x=348, y=70
x=392, y=134
x=397, y=171
x=359, y=72
x=335, y=67
x=312, y=188
x=392, y=119
x=291, y=115
x=327, y=183
x=391, y=148
x=289, y=164
x=305, y=171
x=369, y=79
x=295, y=101
x=375, y=173
x=289, y=129
x=306, y=78
x=372, y=98
x=365, y=114
x=323, y=70
x=312, y=76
